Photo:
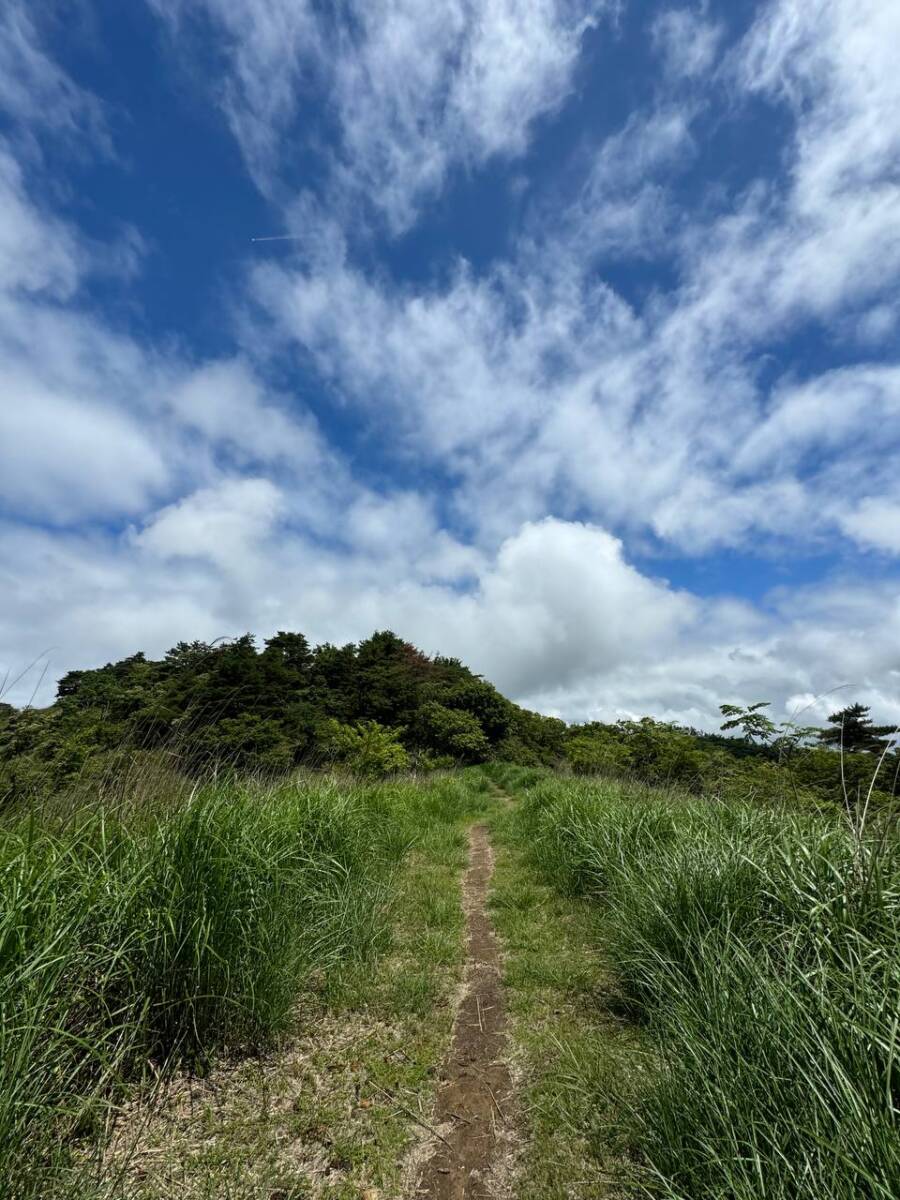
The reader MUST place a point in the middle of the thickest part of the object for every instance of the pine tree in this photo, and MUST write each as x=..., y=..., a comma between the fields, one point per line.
x=853, y=731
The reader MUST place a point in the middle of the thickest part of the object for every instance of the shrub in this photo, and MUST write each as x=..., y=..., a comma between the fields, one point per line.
x=367, y=749
x=590, y=754
x=454, y=732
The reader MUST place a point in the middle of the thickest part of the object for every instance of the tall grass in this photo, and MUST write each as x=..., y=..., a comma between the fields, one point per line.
x=129, y=938
x=761, y=948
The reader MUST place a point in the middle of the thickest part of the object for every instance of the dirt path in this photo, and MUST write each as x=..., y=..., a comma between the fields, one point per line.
x=471, y=1103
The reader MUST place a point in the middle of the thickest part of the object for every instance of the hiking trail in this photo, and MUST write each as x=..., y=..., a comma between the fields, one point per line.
x=474, y=1096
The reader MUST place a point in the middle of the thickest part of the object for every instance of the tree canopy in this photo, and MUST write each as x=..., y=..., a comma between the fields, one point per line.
x=379, y=701
x=851, y=729
x=380, y=706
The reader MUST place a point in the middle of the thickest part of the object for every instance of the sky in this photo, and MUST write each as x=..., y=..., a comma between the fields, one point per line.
x=575, y=353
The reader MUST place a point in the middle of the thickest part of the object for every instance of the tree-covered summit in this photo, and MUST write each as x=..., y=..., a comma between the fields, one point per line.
x=380, y=706
x=380, y=703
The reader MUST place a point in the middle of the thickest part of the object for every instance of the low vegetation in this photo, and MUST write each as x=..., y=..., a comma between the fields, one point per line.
x=206, y=856
x=759, y=951
x=381, y=707
x=849, y=763
x=567, y=1042
x=132, y=938
x=325, y=1111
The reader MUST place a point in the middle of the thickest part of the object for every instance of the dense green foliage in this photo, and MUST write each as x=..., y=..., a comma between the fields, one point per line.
x=781, y=769
x=382, y=707
x=852, y=729
x=191, y=924
x=761, y=948
x=378, y=706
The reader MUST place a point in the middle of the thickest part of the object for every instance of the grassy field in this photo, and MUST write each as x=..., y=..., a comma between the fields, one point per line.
x=756, y=953
x=132, y=940
x=567, y=1044
x=248, y=990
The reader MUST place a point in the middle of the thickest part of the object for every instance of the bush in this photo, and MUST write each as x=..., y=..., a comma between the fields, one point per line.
x=597, y=753
x=453, y=732
x=367, y=749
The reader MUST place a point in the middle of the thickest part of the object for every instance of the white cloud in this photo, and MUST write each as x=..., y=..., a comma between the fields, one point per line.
x=94, y=425
x=37, y=252
x=272, y=47
x=878, y=325
x=471, y=368
x=228, y=405
x=67, y=448
x=686, y=40
x=875, y=522
x=833, y=64
x=645, y=146
x=65, y=458
x=624, y=208
x=530, y=389
x=838, y=412
x=546, y=392
x=565, y=591
x=37, y=94
x=226, y=524
x=557, y=618
x=416, y=88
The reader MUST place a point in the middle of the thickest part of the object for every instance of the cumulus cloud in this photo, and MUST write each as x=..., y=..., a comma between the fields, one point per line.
x=557, y=617
x=226, y=525
x=64, y=458
x=565, y=591
x=875, y=522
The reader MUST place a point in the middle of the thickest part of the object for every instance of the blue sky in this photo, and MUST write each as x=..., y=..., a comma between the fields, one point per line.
x=579, y=357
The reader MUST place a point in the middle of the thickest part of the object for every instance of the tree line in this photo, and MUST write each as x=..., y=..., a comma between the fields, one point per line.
x=850, y=761
x=378, y=706
x=381, y=706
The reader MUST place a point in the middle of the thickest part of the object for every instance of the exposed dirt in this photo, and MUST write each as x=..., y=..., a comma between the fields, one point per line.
x=476, y=1089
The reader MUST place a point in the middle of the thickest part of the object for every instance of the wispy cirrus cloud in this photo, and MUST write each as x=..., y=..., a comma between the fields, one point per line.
x=414, y=89
x=36, y=94
x=654, y=419
x=687, y=40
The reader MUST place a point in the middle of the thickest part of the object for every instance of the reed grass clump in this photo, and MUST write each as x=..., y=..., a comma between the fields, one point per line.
x=131, y=937
x=761, y=950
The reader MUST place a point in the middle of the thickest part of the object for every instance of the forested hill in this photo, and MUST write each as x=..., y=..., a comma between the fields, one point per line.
x=382, y=706
x=379, y=705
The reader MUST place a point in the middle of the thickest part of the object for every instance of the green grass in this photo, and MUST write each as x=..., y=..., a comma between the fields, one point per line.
x=703, y=997
x=132, y=940
x=759, y=951
x=569, y=1049
x=327, y=1112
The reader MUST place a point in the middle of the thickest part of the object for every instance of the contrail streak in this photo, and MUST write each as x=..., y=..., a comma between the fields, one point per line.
x=283, y=237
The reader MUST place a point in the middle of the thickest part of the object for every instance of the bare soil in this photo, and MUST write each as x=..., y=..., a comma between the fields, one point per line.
x=476, y=1089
